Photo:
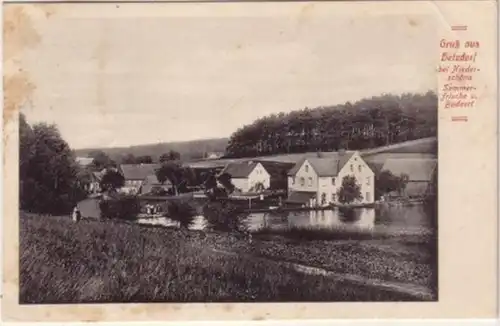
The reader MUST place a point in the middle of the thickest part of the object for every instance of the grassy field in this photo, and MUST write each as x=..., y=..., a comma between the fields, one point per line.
x=64, y=262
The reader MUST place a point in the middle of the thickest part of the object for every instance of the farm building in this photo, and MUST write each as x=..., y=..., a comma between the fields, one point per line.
x=248, y=176
x=135, y=175
x=420, y=172
x=316, y=180
x=84, y=161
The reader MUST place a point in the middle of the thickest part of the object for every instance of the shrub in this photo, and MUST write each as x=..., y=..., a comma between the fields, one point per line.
x=126, y=207
x=158, y=191
x=181, y=212
x=224, y=216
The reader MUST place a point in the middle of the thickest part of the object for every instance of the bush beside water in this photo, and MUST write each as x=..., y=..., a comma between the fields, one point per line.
x=125, y=207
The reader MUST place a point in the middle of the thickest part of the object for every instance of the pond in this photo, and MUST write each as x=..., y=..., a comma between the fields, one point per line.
x=396, y=219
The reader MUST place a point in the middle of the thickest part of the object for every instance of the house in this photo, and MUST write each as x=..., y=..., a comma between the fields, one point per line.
x=278, y=172
x=84, y=161
x=420, y=171
x=151, y=182
x=316, y=180
x=135, y=175
x=214, y=155
x=248, y=176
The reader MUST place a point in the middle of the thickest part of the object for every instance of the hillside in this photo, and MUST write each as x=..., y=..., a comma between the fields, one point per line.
x=368, y=123
x=421, y=148
x=188, y=149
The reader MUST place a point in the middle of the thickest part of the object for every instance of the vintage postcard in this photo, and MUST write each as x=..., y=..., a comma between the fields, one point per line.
x=249, y=160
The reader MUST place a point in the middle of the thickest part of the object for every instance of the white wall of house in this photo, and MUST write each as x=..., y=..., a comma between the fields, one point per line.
x=365, y=177
x=305, y=179
x=259, y=175
x=241, y=183
x=326, y=188
x=131, y=186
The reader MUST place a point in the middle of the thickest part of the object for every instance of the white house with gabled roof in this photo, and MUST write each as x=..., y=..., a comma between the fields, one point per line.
x=316, y=180
x=248, y=176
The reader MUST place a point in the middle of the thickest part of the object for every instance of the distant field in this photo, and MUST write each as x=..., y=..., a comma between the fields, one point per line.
x=187, y=149
x=423, y=148
x=65, y=262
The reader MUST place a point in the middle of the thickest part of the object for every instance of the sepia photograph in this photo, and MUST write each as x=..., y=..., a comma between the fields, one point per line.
x=227, y=158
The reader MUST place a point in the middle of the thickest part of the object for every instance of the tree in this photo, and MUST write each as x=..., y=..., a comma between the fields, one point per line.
x=225, y=180
x=129, y=159
x=385, y=183
x=124, y=207
x=172, y=172
x=367, y=123
x=145, y=159
x=101, y=160
x=112, y=180
x=48, y=176
x=224, y=216
x=350, y=190
x=170, y=156
x=181, y=212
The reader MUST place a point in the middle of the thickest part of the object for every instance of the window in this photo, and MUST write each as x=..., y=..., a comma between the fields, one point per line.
x=333, y=181
x=310, y=181
x=334, y=198
x=359, y=168
x=302, y=181
x=368, y=181
x=307, y=168
x=352, y=168
x=367, y=196
x=293, y=180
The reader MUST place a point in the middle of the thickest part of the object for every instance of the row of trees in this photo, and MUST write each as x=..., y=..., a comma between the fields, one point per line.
x=48, y=174
x=371, y=122
x=102, y=160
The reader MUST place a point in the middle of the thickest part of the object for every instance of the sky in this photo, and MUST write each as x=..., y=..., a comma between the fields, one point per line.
x=119, y=77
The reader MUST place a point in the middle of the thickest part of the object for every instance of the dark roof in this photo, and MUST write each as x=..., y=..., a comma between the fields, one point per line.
x=375, y=166
x=138, y=171
x=240, y=169
x=301, y=197
x=325, y=166
x=416, y=169
x=276, y=169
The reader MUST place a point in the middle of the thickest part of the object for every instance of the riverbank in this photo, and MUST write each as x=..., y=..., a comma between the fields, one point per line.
x=91, y=261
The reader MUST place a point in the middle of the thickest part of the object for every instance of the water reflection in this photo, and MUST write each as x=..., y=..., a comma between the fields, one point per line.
x=397, y=219
x=359, y=219
x=394, y=219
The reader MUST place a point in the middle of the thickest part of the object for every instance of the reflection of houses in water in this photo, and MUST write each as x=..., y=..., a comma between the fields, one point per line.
x=362, y=219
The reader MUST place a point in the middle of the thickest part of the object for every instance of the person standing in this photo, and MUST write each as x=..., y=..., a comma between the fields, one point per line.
x=76, y=214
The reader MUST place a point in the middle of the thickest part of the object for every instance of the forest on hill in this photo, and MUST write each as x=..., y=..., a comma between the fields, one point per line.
x=370, y=122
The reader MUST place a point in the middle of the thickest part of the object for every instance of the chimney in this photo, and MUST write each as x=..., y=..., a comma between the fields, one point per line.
x=341, y=151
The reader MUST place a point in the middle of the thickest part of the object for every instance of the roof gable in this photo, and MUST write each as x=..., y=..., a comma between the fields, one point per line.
x=240, y=169
x=325, y=166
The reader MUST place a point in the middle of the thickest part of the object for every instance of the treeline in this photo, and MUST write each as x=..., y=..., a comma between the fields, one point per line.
x=101, y=160
x=49, y=180
x=368, y=123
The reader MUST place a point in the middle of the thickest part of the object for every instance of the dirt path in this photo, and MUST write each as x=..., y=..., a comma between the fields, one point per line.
x=418, y=291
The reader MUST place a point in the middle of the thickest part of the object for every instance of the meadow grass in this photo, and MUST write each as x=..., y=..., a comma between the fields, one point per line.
x=90, y=261
x=399, y=257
